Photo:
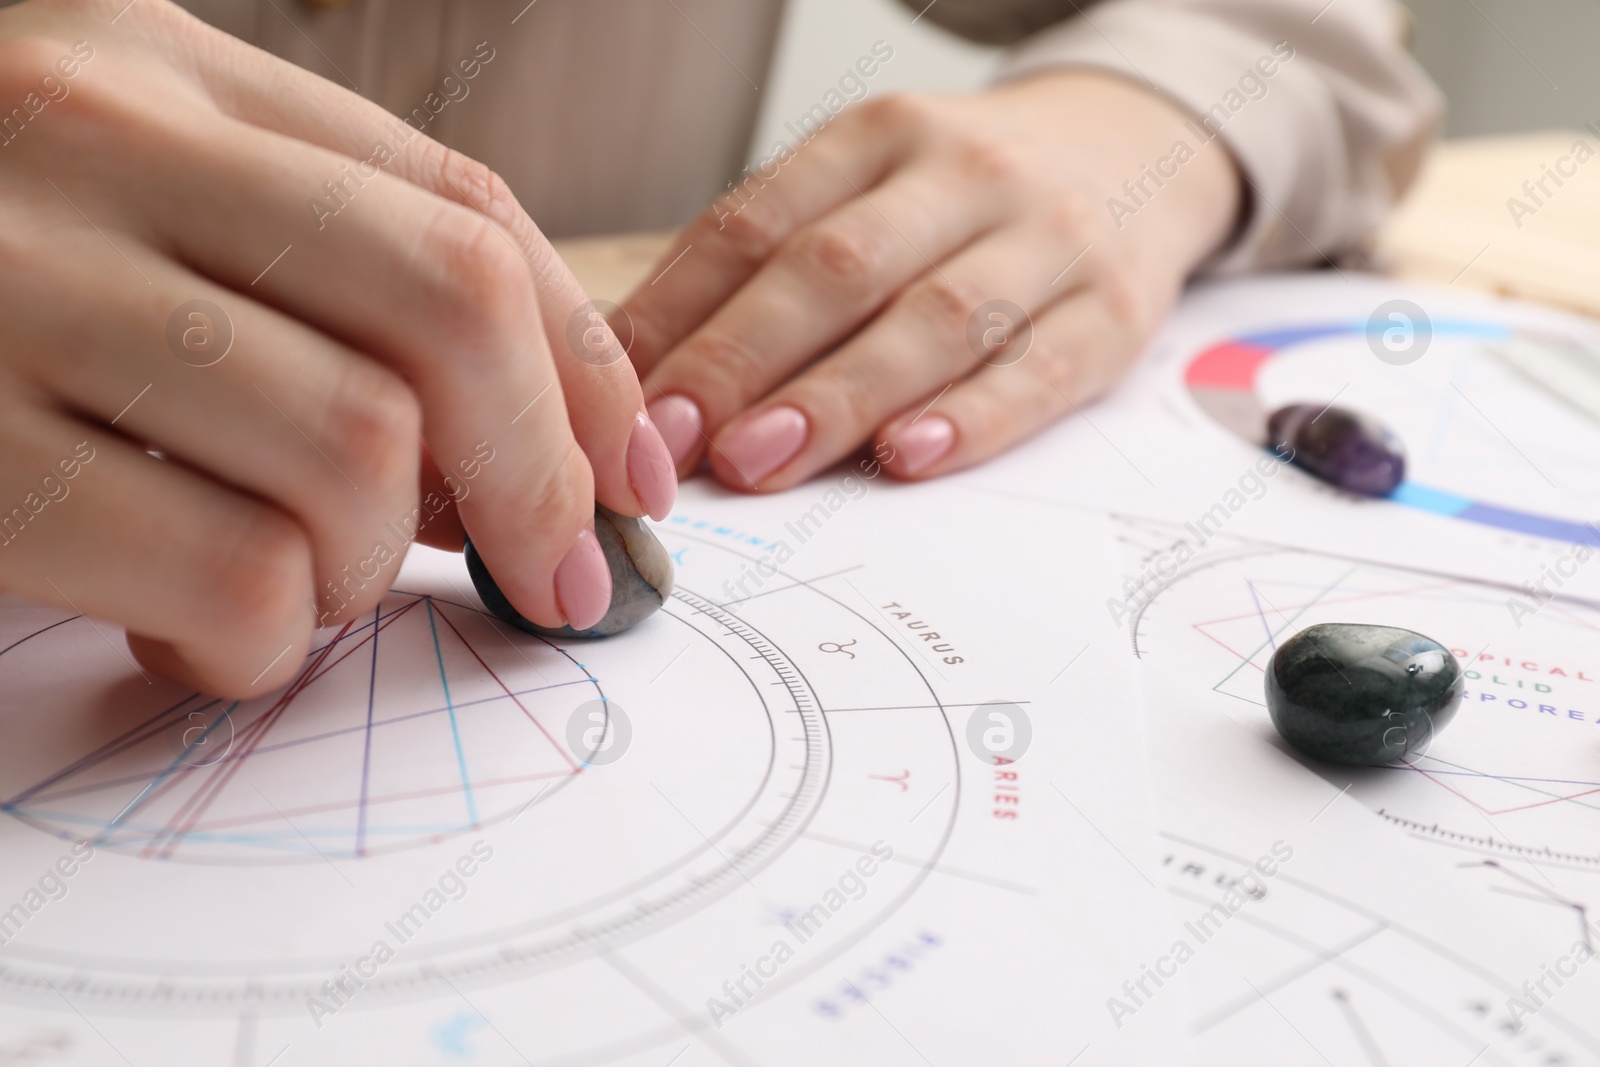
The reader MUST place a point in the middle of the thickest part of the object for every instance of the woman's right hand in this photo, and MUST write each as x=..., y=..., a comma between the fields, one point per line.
x=168, y=285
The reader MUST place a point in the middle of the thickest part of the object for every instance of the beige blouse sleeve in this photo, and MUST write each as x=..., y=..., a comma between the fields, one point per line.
x=1321, y=104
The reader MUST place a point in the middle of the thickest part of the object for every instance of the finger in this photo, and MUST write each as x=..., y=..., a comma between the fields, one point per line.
x=1080, y=348
x=936, y=331
x=820, y=287
x=598, y=384
x=633, y=471
x=440, y=524
x=212, y=585
x=728, y=243
x=444, y=301
x=241, y=394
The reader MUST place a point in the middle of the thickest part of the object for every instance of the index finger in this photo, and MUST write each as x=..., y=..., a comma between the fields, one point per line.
x=601, y=391
x=729, y=242
x=442, y=299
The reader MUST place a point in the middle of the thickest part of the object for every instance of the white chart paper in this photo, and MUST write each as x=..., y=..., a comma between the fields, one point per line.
x=753, y=830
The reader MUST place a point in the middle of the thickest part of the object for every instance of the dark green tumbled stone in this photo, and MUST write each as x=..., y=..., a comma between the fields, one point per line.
x=641, y=578
x=1365, y=695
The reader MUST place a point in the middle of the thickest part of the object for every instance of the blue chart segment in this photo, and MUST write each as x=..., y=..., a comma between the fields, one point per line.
x=206, y=780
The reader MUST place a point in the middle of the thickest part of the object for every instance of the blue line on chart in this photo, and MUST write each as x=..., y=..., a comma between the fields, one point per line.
x=1261, y=614
x=172, y=769
x=16, y=805
x=455, y=730
x=1287, y=623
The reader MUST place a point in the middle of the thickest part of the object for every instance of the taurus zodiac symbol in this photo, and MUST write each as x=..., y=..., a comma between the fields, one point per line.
x=834, y=646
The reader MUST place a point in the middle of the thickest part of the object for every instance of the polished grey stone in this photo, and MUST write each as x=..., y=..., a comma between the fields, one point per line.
x=641, y=578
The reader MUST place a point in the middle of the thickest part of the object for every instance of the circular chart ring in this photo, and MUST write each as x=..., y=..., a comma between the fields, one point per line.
x=470, y=962
x=530, y=946
x=1223, y=378
x=147, y=731
x=1399, y=810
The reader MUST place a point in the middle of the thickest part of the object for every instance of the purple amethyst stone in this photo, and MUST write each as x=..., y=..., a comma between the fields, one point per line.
x=1344, y=449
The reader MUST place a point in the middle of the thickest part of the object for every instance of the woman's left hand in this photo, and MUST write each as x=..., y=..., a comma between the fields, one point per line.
x=941, y=275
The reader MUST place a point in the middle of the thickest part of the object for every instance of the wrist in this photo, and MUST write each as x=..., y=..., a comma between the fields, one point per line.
x=1164, y=183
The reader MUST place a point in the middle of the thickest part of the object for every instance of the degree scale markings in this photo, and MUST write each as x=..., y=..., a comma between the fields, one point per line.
x=582, y=939
x=274, y=997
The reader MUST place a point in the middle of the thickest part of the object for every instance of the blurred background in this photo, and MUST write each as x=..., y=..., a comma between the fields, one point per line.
x=1507, y=66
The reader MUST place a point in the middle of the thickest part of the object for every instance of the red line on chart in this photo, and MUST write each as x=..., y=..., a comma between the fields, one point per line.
x=207, y=794
x=1199, y=627
x=1330, y=603
x=576, y=769
x=1502, y=811
x=375, y=801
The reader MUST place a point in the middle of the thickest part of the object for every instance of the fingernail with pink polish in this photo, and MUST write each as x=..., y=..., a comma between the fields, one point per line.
x=923, y=443
x=652, y=471
x=678, y=420
x=761, y=445
x=583, y=582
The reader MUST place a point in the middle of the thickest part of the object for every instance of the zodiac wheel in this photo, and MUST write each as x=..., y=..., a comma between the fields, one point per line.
x=1512, y=777
x=266, y=846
